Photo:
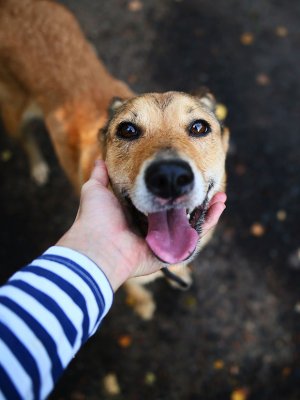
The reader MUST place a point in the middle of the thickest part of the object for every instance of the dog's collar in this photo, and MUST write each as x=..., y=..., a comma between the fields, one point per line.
x=170, y=275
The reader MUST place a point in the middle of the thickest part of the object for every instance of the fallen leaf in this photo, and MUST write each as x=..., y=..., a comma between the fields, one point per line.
x=239, y=394
x=218, y=364
x=234, y=370
x=257, y=229
x=221, y=111
x=6, y=155
x=297, y=307
x=286, y=371
x=150, y=378
x=294, y=259
x=190, y=302
x=263, y=79
x=111, y=384
x=281, y=215
x=135, y=5
x=124, y=341
x=240, y=169
x=247, y=38
x=281, y=31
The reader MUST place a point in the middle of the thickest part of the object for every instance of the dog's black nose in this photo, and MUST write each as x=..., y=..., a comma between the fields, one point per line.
x=169, y=179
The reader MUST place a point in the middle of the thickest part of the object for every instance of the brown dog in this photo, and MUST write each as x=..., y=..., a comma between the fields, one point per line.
x=49, y=70
x=165, y=153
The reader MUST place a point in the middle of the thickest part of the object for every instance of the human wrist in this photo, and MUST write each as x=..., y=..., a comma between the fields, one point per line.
x=105, y=255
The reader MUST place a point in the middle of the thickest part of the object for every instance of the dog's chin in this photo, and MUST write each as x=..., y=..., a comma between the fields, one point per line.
x=186, y=231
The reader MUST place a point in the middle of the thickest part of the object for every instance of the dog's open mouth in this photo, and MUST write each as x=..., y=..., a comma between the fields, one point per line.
x=171, y=234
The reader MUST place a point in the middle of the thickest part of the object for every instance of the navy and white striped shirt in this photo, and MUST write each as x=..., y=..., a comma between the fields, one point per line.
x=47, y=311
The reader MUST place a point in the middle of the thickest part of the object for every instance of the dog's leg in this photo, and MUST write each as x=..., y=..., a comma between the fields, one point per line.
x=140, y=299
x=16, y=117
x=39, y=169
x=11, y=114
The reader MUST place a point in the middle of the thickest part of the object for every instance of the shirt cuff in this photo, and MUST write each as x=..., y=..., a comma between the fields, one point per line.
x=93, y=270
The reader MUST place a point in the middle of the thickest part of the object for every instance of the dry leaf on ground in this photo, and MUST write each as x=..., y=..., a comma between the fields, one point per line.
x=135, y=5
x=257, y=229
x=247, y=38
x=111, y=384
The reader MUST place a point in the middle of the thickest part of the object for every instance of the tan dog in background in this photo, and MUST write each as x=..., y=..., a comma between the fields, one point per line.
x=49, y=70
x=165, y=153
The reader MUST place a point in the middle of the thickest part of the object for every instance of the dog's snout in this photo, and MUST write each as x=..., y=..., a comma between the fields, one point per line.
x=169, y=179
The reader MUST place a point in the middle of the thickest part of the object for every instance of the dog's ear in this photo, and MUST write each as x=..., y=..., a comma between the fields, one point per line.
x=209, y=101
x=115, y=104
x=206, y=98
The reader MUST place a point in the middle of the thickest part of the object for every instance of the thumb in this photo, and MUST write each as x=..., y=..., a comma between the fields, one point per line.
x=216, y=208
x=99, y=173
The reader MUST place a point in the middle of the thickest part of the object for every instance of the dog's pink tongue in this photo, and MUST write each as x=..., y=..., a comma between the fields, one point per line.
x=170, y=236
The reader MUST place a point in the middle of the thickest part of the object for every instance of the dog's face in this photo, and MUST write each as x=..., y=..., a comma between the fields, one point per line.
x=165, y=155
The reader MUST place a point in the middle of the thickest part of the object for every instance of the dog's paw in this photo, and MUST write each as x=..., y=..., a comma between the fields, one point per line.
x=40, y=173
x=145, y=309
x=140, y=299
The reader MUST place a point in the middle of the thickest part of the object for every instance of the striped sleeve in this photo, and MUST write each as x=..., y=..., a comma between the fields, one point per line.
x=48, y=310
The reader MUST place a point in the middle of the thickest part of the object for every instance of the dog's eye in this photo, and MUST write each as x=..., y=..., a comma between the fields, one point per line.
x=199, y=128
x=127, y=130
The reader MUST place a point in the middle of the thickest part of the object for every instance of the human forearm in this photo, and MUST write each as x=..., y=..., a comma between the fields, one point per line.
x=48, y=310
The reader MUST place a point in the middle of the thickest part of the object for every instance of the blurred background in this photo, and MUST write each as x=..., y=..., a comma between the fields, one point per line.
x=236, y=333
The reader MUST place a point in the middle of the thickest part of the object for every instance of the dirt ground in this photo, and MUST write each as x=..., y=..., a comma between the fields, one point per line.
x=236, y=334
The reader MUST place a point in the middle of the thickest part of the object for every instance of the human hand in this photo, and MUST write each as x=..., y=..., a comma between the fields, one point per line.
x=100, y=231
x=215, y=209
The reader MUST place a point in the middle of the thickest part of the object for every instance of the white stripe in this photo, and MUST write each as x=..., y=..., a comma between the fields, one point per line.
x=74, y=279
x=33, y=345
x=44, y=317
x=92, y=268
x=2, y=395
x=64, y=301
x=16, y=372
